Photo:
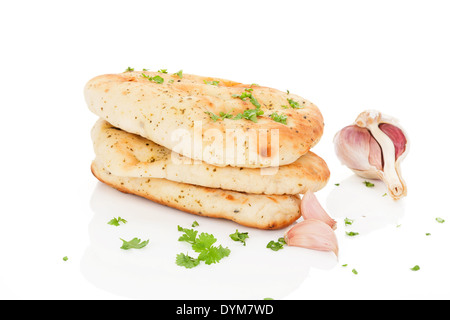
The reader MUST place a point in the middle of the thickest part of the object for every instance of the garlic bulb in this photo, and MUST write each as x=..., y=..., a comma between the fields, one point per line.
x=373, y=147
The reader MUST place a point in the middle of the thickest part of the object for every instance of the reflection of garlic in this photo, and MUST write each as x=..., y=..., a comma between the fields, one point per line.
x=373, y=148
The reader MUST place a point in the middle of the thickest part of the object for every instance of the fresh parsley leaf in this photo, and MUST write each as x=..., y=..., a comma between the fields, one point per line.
x=162, y=70
x=251, y=114
x=351, y=233
x=348, y=222
x=213, y=83
x=135, y=243
x=275, y=245
x=242, y=96
x=254, y=102
x=368, y=184
x=440, y=220
x=184, y=260
x=354, y=271
x=224, y=115
x=65, y=258
x=337, y=184
x=157, y=79
x=279, y=118
x=213, y=254
x=247, y=94
x=294, y=104
x=189, y=235
x=115, y=221
x=203, y=242
x=179, y=74
x=194, y=224
x=213, y=116
x=239, y=236
x=129, y=69
x=415, y=268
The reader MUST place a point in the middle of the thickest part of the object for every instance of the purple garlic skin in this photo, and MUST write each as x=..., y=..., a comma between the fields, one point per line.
x=373, y=147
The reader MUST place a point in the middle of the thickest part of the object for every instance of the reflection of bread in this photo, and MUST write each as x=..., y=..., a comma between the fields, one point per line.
x=128, y=155
x=155, y=111
x=252, y=210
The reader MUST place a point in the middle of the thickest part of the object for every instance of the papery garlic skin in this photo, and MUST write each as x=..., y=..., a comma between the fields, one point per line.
x=373, y=147
x=312, y=234
x=311, y=209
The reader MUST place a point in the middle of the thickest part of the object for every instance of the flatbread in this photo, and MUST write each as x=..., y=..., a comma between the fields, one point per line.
x=257, y=211
x=129, y=155
x=183, y=115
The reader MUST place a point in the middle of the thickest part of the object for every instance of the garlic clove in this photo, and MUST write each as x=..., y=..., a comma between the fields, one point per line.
x=373, y=148
x=354, y=146
x=312, y=234
x=311, y=209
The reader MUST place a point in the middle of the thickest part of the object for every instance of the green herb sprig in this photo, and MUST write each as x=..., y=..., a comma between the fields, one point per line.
x=239, y=236
x=276, y=245
x=116, y=221
x=135, y=243
x=281, y=118
x=293, y=104
x=202, y=244
x=179, y=74
x=369, y=184
x=157, y=79
x=213, y=83
x=248, y=94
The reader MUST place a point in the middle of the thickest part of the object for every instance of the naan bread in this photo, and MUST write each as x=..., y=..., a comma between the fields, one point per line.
x=257, y=211
x=181, y=115
x=129, y=155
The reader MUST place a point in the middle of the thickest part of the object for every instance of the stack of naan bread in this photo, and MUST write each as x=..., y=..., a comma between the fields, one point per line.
x=152, y=125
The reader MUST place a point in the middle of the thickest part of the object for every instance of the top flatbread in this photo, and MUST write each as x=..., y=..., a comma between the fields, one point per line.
x=129, y=155
x=180, y=114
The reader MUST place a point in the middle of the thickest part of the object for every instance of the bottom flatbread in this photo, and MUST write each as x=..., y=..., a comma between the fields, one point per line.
x=251, y=210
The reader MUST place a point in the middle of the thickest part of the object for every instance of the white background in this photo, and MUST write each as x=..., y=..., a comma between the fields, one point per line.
x=345, y=56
